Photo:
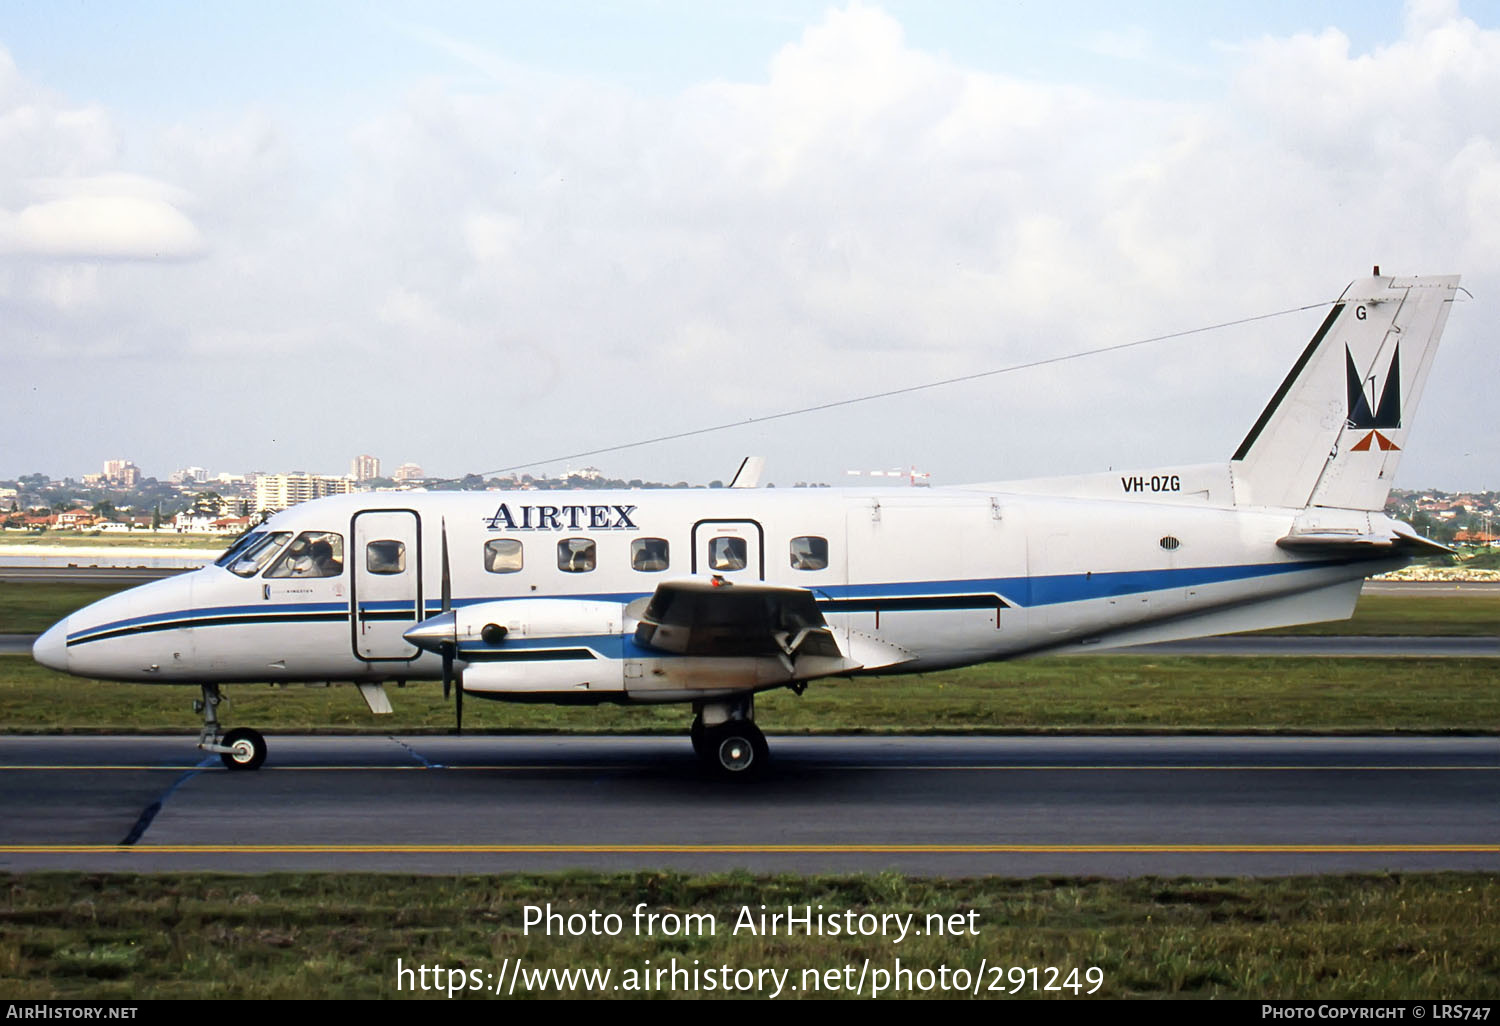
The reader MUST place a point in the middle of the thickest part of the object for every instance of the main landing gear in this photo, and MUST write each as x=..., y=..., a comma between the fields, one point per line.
x=241, y=749
x=726, y=739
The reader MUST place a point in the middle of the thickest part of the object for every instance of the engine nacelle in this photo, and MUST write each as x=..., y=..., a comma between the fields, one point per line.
x=550, y=649
x=538, y=618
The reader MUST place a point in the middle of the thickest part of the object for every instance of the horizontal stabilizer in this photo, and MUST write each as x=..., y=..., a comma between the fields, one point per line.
x=1377, y=545
x=1357, y=534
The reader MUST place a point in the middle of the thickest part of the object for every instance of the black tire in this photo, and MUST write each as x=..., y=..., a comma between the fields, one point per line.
x=249, y=749
x=736, y=749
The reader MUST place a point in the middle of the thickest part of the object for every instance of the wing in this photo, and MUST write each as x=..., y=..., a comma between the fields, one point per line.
x=712, y=619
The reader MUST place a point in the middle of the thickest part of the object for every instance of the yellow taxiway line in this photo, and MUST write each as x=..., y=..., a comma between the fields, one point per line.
x=863, y=768
x=749, y=849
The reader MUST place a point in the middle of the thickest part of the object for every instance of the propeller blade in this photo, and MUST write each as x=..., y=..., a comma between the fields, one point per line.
x=449, y=649
x=447, y=577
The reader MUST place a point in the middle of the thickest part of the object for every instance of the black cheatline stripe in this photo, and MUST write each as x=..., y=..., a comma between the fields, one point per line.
x=211, y=621
x=535, y=655
x=1286, y=386
x=912, y=603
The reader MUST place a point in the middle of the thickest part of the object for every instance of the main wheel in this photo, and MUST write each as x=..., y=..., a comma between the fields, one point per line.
x=735, y=749
x=248, y=749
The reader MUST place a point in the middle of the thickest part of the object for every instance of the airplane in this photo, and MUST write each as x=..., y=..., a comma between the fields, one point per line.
x=710, y=597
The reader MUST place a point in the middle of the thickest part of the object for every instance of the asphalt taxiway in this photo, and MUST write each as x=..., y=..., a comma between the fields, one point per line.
x=1116, y=806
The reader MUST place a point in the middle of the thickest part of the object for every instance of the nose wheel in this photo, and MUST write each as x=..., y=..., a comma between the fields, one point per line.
x=241, y=749
x=247, y=749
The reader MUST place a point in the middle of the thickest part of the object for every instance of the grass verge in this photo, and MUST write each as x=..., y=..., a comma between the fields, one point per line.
x=75, y=935
x=1082, y=693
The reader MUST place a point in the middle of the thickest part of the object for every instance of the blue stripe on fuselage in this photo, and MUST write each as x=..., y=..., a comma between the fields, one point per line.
x=1018, y=591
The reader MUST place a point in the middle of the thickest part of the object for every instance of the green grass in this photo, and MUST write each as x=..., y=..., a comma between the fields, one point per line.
x=128, y=937
x=1429, y=615
x=1094, y=692
x=33, y=606
x=1487, y=559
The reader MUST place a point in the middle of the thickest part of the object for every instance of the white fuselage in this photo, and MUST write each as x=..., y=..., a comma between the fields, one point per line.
x=927, y=578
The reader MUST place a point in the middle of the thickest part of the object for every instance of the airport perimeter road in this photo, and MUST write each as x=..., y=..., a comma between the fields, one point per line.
x=121, y=575
x=939, y=806
x=1414, y=589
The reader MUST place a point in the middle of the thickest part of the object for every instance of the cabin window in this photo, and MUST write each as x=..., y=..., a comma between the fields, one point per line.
x=649, y=555
x=257, y=551
x=810, y=553
x=385, y=557
x=576, y=555
x=312, y=554
x=503, y=556
x=728, y=554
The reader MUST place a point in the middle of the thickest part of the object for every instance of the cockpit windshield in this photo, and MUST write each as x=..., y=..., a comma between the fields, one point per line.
x=240, y=544
x=256, y=551
x=313, y=554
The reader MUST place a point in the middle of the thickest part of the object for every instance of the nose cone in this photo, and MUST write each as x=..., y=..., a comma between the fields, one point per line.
x=51, y=649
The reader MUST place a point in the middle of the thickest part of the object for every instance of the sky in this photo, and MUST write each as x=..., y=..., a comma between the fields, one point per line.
x=481, y=235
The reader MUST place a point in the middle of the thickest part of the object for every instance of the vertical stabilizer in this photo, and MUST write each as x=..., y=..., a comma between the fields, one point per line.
x=1334, y=431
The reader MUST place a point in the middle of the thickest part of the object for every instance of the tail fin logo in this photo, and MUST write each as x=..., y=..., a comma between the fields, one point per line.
x=1386, y=415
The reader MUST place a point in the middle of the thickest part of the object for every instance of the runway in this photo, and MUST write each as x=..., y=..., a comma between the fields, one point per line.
x=1203, y=806
x=1333, y=646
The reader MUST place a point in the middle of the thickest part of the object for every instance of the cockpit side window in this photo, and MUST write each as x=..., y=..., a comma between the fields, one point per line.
x=313, y=554
x=256, y=553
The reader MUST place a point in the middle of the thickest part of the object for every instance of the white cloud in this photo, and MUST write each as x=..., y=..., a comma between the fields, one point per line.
x=102, y=227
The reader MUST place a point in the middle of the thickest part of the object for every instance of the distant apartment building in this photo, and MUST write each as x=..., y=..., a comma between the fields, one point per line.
x=408, y=472
x=364, y=468
x=122, y=472
x=190, y=475
x=278, y=491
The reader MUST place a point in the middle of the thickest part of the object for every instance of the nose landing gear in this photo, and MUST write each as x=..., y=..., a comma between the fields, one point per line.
x=240, y=749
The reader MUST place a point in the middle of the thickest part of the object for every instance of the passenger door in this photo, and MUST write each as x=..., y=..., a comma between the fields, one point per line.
x=385, y=597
